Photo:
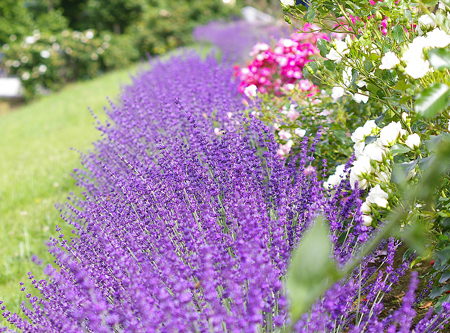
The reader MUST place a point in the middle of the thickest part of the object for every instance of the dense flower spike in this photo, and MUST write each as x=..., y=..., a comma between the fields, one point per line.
x=182, y=230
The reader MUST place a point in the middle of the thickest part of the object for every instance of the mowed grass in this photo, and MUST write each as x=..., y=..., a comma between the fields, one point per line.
x=36, y=162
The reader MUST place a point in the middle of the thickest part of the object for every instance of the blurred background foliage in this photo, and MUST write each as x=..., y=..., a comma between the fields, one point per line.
x=48, y=43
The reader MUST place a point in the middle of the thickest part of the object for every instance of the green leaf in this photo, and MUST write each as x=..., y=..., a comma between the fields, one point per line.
x=398, y=33
x=399, y=149
x=329, y=65
x=416, y=236
x=424, y=163
x=400, y=171
x=370, y=139
x=442, y=259
x=439, y=58
x=311, y=14
x=322, y=45
x=444, y=277
x=437, y=291
x=433, y=100
x=312, y=270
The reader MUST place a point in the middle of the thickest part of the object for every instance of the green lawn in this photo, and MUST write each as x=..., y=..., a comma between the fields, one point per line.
x=35, y=166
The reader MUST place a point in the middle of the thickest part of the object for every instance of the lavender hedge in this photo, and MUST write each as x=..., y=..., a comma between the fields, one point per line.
x=184, y=228
x=237, y=38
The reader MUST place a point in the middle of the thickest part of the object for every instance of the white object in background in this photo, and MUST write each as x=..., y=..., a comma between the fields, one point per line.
x=253, y=15
x=10, y=87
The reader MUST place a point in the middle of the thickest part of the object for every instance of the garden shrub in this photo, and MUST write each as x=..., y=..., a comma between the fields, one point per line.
x=188, y=220
x=135, y=28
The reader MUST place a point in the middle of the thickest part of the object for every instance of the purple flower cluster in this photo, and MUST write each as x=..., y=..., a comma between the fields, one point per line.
x=186, y=229
x=237, y=38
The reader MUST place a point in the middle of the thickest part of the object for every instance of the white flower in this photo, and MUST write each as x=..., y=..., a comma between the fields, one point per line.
x=218, y=131
x=417, y=68
x=361, y=132
x=367, y=220
x=89, y=34
x=374, y=152
x=25, y=76
x=336, y=93
x=448, y=126
x=359, y=148
x=45, y=54
x=285, y=149
x=259, y=47
x=390, y=134
x=404, y=116
x=413, y=141
x=383, y=177
x=358, y=97
x=347, y=76
x=378, y=197
x=288, y=2
x=337, y=53
x=427, y=21
x=438, y=38
x=30, y=40
x=276, y=126
x=300, y=132
x=365, y=208
x=287, y=42
x=361, y=167
x=336, y=178
x=284, y=135
x=292, y=114
x=42, y=69
x=389, y=61
x=410, y=174
x=250, y=91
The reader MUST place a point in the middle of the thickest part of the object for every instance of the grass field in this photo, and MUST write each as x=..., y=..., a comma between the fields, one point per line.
x=35, y=166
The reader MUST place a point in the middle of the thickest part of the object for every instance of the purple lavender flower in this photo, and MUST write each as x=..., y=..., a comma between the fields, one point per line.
x=181, y=230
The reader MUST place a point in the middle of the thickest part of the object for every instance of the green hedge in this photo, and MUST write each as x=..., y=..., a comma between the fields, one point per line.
x=50, y=43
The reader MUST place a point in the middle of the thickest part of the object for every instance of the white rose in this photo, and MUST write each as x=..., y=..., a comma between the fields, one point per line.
x=300, y=132
x=332, y=181
x=417, y=68
x=367, y=220
x=365, y=208
x=413, y=141
x=358, y=97
x=374, y=152
x=250, y=91
x=347, y=76
x=383, y=176
x=390, y=134
x=438, y=38
x=359, y=148
x=284, y=135
x=337, y=92
x=427, y=21
x=361, y=167
x=361, y=132
x=292, y=114
x=285, y=149
x=288, y=2
x=389, y=61
x=338, y=52
x=378, y=197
